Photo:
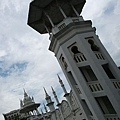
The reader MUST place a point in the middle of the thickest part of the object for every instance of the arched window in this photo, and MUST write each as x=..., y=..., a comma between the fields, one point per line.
x=93, y=46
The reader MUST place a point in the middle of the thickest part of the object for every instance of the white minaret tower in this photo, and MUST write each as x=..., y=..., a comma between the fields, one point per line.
x=58, y=103
x=91, y=73
x=50, y=103
x=55, y=96
x=66, y=94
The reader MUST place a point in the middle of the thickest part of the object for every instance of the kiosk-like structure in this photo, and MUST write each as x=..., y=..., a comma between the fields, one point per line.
x=29, y=109
x=91, y=73
x=45, y=16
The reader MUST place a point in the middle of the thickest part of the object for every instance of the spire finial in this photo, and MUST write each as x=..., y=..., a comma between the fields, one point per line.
x=32, y=98
x=25, y=94
x=62, y=85
x=52, y=90
x=58, y=77
x=46, y=92
x=21, y=103
x=60, y=81
x=54, y=93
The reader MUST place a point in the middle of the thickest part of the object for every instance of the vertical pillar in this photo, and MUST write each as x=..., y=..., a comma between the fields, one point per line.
x=49, y=19
x=58, y=103
x=75, y=10
x=61, y=10
x=66, y=93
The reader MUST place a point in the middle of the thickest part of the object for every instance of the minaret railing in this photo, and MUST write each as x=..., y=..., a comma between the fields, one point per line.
x=92, y=118
x=49, y=19
x=95, y=86
x=64, y=23
x=79, y=57
x=116, y=84
x=112, y=117
x=99, y=55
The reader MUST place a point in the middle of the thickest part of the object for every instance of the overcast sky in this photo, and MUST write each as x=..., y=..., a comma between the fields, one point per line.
x=26, y=62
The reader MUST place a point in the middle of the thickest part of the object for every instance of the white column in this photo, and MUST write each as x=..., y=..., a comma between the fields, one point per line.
x=61, y=10
x=49, y=19
x=75, y=10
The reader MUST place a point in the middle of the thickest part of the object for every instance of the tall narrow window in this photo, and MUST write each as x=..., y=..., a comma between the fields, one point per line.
x=78, y=56
x=108, y=71
x=88, y=73
x=71, y=78
x=105, y=105
x=73, y=82
x=94, y=47
x=86, y=107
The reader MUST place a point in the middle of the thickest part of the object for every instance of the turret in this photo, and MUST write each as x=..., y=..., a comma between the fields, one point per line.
x=62, y=85
x=50, y=103
x=58, y=103
x=66, y=95
x=21, y=103
x=55, y=96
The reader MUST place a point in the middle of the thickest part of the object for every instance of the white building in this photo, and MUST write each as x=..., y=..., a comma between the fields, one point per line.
x=66, y=110
x=91, y=73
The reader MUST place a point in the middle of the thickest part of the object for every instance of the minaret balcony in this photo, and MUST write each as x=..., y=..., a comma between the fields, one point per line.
x=95, y=86
x=108, y=117
x=92, y=118
x=116, y=83
x=99, y=55
x=79, y=57
x=111, y=117
x=65, y=23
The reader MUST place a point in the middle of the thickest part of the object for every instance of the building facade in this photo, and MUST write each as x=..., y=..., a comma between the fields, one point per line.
x=66, y=110
x=90, y=71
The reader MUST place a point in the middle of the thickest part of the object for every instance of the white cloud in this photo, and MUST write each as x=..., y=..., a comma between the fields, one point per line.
x=2, y=53
x=22, y=44
x=105, y=17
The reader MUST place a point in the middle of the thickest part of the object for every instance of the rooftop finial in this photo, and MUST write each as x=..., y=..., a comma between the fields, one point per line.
x=62, y=85
x=60, y=81
x=58, y=77
x=21, y=103
x=46, y=92
x=25, y=94
x=52, y=90
x=54, y=93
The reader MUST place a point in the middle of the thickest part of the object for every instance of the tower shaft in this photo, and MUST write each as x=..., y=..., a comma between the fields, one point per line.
x=91, y=73
x=88, y=67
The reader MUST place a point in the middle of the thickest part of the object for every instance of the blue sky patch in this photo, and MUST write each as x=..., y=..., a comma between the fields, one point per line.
x=109, y=9
x=17, y=67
